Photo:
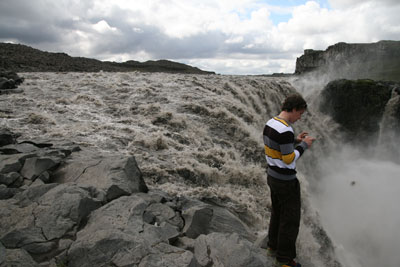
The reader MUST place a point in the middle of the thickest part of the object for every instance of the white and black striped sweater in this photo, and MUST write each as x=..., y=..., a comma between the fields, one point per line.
x=280, y=150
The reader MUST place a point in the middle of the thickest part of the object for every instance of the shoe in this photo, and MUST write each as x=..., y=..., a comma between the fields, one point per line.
x=271, y=252
x=290, y=264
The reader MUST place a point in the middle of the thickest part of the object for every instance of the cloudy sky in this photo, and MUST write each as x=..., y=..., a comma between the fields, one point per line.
x=225, y=36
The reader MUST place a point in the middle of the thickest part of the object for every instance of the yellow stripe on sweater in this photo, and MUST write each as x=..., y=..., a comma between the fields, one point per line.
x=275, y=154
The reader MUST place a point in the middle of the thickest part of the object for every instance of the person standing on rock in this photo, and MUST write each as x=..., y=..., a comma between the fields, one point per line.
x=282, y=150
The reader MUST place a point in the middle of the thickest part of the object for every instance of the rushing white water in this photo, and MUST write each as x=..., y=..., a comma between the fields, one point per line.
x=201, y=136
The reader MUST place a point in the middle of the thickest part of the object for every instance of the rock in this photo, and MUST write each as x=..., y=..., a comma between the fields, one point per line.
x=41, y=215
x=6, y=137
x=169, y=256
x=164, y=232
x=12, y=76
x=2, y=254
x=377, y=61
x=62, y=209
x=32, y=194
x=226, y=222
x=6, y=193
x=205, y=219
x=11, y=178
x=197, y=221
x=159, y=213
x=18, y=148
x=9, y=81
x=118, y=229
x=115, y=175
x=114, y=229
x=18, y=257
x=37, y=166
x=11, y=163
x=18, y=225
x=7, y=84
x=219, y=249
x=357, y=106
x=185, y=243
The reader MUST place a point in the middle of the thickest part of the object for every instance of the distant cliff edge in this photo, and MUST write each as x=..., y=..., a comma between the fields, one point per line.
x=22, y=58
x=377, y=61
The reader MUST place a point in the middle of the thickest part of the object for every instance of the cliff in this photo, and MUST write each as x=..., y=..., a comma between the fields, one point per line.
x=377, y=61
x=359, y=105
x=21, y=58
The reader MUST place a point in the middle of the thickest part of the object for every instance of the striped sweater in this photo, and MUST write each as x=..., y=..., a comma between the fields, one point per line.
x=280, y=150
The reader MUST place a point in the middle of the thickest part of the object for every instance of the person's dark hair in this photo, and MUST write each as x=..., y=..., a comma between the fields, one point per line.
x=294, y=101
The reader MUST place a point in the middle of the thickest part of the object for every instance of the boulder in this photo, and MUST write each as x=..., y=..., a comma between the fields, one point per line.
x=6, y=137
x=158, y=213
x=12, y=76
x=37, y=166
x=7, y=83
x=197, y=221
x=18, y=148
x=17, y=257
x=41, y=215
x=224, y=249
x=11, y=163
x=6, y=193
x=119, y=232
x=11, y=179
x=169, y=256
x=115, y=175
x=2, y=254
x=205, y=219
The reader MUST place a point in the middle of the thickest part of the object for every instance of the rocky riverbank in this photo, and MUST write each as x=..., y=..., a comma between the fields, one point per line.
x=63, y=206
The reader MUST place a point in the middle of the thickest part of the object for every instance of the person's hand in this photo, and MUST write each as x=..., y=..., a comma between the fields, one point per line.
x=309, y=140
x=301, y=136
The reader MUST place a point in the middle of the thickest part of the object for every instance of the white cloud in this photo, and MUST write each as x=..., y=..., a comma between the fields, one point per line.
x=240, y=32
x=103, y=27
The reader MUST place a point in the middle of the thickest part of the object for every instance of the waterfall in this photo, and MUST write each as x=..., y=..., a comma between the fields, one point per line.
x=201, y=136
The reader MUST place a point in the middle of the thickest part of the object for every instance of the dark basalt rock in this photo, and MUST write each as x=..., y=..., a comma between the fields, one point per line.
x=358, y=106
x=9, y=82
x=70, y=207
x=377, y=61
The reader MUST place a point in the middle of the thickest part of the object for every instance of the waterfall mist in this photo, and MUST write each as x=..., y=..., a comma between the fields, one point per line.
x=355, y=189
x=357, y=201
